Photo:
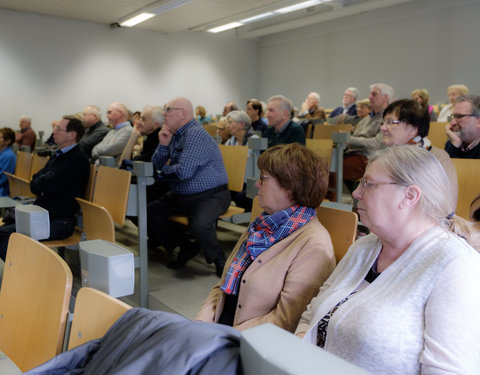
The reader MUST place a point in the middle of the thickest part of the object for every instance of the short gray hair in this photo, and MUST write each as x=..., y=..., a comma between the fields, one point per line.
x=157, y=113
x=284, y=101
x=355, y=91
x=474, y=100
x=95, y=110
x=240, y=116
x=26, y=118
x=385, y=90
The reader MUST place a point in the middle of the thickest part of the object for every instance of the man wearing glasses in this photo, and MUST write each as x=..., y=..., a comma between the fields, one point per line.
x=62, y=179
x=463, y=131
x=116, y=139
x=188, y=157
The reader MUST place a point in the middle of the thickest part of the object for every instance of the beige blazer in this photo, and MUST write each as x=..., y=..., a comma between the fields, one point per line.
x=279, y=284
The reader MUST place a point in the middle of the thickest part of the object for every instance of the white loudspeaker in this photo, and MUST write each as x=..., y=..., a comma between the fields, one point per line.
x=33, y=221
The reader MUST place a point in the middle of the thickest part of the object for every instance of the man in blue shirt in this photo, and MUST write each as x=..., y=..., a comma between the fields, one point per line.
x=189, y=158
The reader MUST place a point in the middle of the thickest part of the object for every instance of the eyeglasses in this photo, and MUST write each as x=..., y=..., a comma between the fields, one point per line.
x=364, y=184
x=391, y=123
x=170, y=109
x=458, y=116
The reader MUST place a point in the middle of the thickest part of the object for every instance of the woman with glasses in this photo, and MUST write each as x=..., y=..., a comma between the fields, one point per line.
x=407, y=122
x=404, y=299
x=284, y=257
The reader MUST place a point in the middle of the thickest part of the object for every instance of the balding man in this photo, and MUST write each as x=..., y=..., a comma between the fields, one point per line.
x=311, y=109
x=26, y=136
x=281, y=129
x=189, y=158
x=348, y=103
x=116, y=139
x=95, y=129
x=229, y=107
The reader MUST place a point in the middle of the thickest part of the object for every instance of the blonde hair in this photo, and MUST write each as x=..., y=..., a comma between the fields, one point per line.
x=408, y=165
x=462, y=89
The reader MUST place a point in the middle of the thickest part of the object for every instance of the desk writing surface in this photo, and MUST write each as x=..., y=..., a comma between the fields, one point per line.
x=8, y=202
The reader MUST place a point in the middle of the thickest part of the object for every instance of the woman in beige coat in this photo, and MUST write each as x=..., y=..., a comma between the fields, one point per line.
x=284, y=257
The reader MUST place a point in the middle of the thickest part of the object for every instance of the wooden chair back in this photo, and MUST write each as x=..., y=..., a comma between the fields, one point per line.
x=322, y=147
x=325, y=131
x=38, y=162
x=342, y=227
x=211, y=129
x=97, y=221
x=468, y=184
x=24, y=164
x=34, y=301
x=19, y=187
x=95, y=312
x=111, y=191
x=437, y=134
x=235, y=160
x=88, y=196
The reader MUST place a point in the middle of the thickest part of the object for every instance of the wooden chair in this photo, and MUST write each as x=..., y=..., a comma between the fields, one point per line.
x=211, y=129
x=322, y=147
x=256, y=209
x=38, y=162
x=95, y=312
x=90, y=183
x=19, y=187
x=342, y=226
x=325, y=131
x=235, y=160
x=111, y=191
x=437, y=134
x=97, y=221
x=468, y=184
x=34, y=301
x=24, y=164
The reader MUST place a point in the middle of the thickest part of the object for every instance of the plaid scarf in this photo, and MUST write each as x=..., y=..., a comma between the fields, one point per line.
x=263, y=232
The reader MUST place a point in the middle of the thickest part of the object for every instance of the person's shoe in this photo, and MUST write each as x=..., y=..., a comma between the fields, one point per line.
x=219, y=263
x=187, y=252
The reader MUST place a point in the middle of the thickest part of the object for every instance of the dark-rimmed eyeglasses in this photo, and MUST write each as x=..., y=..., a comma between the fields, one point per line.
x=459, y=116
x=170, y=109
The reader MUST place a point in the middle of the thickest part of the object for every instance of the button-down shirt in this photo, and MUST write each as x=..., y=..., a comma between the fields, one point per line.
x=192, y=159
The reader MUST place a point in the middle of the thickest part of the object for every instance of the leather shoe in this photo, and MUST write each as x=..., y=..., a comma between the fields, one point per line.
x=187, y=252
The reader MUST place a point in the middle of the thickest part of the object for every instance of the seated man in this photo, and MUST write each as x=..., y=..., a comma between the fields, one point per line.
x=281, y=129
x=188, y=157
x=26, y=136
x=366, y=136
x=8, y=159
x=255, y=111
x=464, y=129
x=95, y=129
x=116, y=139
x=62, y=179
x=310, y=108
x=348, y=103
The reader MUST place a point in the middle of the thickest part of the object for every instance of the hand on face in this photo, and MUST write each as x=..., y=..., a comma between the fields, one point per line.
x=165, y=135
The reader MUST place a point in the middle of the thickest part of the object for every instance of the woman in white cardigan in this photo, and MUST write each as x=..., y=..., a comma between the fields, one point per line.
x=406, y=298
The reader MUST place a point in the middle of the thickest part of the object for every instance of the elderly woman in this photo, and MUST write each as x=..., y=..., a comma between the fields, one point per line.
x=404, y=299
x=222, y=131
x=283, y=258
x=422, y=96
x=407, y=122
x=238, y=122
x=453, y=92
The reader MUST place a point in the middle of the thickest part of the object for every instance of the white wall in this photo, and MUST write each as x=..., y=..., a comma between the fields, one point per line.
x=50, y=67
x=421, y=44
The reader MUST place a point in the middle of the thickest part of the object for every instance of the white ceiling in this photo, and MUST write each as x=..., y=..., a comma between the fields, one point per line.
x=198, y=15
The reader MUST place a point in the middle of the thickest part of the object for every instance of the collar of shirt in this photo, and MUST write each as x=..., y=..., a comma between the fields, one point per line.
x=66, y=149
x=121, y=125
x=472, y=144
x=283, y=128
x=183, y=129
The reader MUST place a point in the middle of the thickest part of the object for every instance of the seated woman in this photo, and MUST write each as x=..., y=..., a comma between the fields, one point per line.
x=404, y=299
x=422, y=96
x=407, y=122
x=453, y=92
x=238, y=122
x=222, y=130
x=8, y=159
x=201, y=115
x=284, y=257
x=363, y=109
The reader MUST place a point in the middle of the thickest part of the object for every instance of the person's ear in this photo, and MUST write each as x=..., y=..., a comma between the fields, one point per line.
x=412, y=195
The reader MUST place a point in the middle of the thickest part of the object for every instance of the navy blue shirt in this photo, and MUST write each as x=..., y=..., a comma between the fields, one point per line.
x=194, y=161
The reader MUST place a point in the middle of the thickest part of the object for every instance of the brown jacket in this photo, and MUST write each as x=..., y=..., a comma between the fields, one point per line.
x=277, y=287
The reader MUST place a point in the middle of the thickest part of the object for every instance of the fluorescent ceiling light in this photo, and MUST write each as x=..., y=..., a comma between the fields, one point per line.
x=258, y=17
x=293, y=8
x=226, y=27
x=137, y=19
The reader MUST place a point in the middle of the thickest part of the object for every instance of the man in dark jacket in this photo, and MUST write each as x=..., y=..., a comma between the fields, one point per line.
x=62, y=179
